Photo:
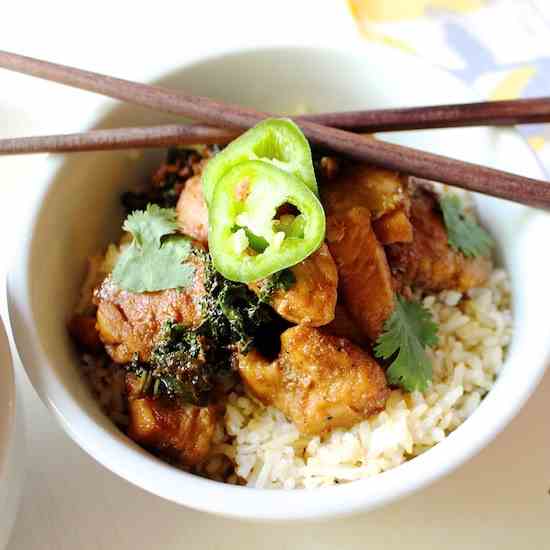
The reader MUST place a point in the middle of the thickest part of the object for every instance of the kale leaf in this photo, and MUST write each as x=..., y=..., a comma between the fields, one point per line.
x=188, y=363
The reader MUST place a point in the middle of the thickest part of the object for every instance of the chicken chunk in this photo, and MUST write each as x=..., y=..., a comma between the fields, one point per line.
x=312, y=298
x=319, y=381
x=363, y=271
x=179, y=431
x=429, y=262
x=344, y=325
x=379, y=190
x=359, y=198
x=192, y=211
x=384, y=193
x=393, y=227
x=130, y=323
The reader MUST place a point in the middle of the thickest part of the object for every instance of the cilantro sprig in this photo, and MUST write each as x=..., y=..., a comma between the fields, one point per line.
x=407, y=332
x=464, y=233
x=155, y=258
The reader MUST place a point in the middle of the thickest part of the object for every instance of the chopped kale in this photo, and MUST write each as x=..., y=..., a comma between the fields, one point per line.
x=183, y=364
x=188, y=363
x=167, y=183
x=282, y=280
x=232, y=312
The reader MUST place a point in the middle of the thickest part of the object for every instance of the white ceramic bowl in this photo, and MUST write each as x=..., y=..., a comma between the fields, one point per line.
x=77, y=212
x=11, y=442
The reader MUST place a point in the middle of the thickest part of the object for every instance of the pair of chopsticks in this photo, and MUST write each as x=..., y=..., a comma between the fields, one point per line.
x=495, y=113
x=223, y=122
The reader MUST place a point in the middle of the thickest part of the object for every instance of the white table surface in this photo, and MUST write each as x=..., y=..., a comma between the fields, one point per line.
x=500, y=499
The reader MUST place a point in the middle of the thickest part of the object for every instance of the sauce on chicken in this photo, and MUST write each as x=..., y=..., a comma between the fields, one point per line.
x=312, y=298
x=130, y=323
x=192, y=212
x=363, y=270
x=429, y=262
x=319, y=381
x=179, y=431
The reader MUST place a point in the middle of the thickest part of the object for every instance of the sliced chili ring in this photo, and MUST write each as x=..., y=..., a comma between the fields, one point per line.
x=245, y=202
x=278, y=141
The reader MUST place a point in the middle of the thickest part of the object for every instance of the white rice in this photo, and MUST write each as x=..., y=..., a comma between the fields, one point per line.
x=474, y=331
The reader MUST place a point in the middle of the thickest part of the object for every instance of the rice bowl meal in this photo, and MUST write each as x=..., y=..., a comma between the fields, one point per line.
x=281, y=318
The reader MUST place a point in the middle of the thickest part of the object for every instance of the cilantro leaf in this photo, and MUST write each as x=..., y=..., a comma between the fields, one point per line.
x=154, y=259
x=407, y=332
x=464, y=233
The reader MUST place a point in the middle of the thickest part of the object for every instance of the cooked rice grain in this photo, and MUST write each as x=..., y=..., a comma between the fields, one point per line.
x=106, y=380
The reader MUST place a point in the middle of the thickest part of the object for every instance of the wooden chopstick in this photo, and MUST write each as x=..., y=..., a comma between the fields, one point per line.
x=490, y=113
x=484, y=113
x=394, y=157
x=119, y=138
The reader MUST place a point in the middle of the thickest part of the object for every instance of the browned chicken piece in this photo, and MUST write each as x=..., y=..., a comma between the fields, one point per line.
x=83, y=329
x=344, y=325
x=130, y=323
x=429, y=262
x=357, y=199
x=319, y=381
x=379, y=190
x=363, y=271
x=393, y=227
x=182, y=432
x=312, y=298
x=192, y=212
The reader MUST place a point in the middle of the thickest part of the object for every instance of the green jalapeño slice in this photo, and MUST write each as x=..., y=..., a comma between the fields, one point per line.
x=277, y=141
x=258, y=203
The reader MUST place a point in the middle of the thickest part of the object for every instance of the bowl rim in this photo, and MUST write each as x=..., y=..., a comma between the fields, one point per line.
x=207, y=495
x=12, y=439
x=8, y=399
